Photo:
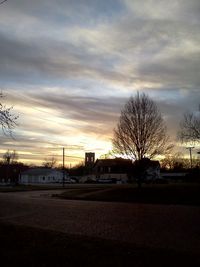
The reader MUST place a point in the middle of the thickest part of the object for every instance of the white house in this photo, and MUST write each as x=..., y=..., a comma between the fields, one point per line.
x=41, y=176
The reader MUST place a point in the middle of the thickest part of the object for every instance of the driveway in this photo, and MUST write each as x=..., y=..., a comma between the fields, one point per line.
x=156, y=226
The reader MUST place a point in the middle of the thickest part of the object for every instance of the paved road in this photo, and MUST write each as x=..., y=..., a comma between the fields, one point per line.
x=157, y=226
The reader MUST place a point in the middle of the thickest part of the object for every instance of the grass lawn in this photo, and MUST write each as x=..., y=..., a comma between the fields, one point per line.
x=181, y=194
x=25, y=246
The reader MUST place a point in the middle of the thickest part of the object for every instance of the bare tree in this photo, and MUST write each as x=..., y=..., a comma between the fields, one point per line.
x=10, y=157
x=7, y=119
x=173, y=161
x=50, y=162
x=190, y=127
x=141, y=131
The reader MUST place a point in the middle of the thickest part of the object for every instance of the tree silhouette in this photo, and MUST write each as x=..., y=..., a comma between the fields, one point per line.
x=50, y=162
x=7, y=119
x=10, y=157
x=190, y=127
x=141, y=131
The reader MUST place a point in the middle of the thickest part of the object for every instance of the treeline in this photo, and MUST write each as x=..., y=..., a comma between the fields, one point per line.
x=178, y=163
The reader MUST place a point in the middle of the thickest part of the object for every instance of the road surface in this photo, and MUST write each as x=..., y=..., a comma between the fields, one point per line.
x=156, y=226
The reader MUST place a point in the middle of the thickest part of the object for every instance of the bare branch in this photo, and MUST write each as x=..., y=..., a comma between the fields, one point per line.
x=190, y=127
x=50, y=162
x=10, y=157
x=7, y=119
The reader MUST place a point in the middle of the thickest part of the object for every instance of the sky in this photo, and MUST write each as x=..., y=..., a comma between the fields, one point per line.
x=68, y=67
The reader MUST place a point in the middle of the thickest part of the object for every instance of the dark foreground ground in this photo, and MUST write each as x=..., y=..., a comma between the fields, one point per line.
x=28, y=246
x=172, y=193
x=159, y=226
x=176, y=194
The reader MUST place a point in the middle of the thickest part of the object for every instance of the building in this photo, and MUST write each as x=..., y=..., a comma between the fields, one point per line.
x=117, y=169
x=89, y=162
x=9, y=173
x=146, y=170
x=41, y=176
x=153, y=170
x=89, y=159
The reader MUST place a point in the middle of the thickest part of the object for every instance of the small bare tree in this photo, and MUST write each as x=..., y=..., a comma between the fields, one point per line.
x=7, y=119
x=190, y=127
x=173, y=161
x=50, y=162
x=141, y=131
x=10, y=157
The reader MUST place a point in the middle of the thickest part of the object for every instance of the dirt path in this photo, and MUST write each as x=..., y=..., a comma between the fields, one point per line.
x=156, y=226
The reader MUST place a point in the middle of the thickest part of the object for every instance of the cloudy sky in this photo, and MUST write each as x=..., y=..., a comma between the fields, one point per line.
x=67, y=67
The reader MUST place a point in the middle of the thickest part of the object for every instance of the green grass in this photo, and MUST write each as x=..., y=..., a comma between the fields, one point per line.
x=25, y=246
x=181, y=194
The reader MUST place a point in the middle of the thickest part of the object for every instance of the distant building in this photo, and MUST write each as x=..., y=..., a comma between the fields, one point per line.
x=117, y=169
x=89, y=162
x=41, y=176
x=89, y=159
x=153, y=170
x=146, y=169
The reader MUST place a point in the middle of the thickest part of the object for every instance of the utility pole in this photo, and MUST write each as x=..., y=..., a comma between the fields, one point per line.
x=190, y=150
x=63, y=167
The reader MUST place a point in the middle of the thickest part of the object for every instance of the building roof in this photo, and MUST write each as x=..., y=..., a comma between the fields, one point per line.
x=147, y=163
x=39, y=171
x=112, y=162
